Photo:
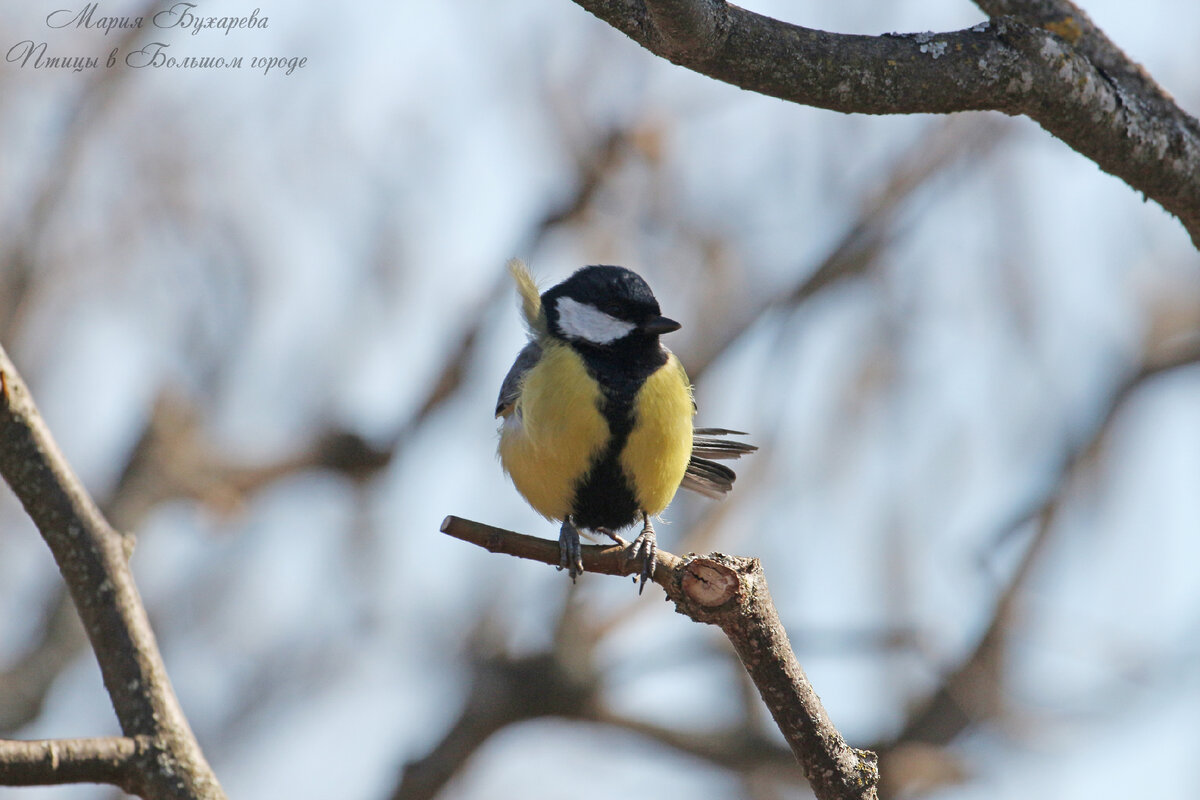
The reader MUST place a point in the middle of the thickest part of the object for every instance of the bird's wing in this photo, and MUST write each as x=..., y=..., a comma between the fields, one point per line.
x=706, y=476
x=510, y=390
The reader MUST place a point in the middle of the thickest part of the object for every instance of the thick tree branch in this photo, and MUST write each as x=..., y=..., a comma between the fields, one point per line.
x=687, y=28
x=731, y=593
x=114, y=759
x=1005, y=64
x=1068, y=21
x=92, y=559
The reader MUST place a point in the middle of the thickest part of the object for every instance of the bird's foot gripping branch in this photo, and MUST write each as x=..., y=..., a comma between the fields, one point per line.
x=731, y=593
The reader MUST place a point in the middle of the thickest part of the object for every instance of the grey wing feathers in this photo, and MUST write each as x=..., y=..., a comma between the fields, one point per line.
x=705, y=476
x=510, y=390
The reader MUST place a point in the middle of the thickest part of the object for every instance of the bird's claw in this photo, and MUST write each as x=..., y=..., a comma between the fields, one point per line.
x=645, y=548
x=570, y=551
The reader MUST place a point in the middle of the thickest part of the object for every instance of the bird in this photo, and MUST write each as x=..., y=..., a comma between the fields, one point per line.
x=596, y=415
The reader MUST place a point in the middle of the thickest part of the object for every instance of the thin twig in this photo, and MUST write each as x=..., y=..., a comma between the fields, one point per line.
x=731, y=593
x=47, y=762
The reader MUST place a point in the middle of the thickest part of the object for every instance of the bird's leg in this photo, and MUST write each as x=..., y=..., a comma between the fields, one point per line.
x=570, y=555
x=645, y=548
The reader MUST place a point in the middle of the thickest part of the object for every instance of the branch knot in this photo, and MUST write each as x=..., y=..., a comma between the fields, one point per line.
x=692, y=30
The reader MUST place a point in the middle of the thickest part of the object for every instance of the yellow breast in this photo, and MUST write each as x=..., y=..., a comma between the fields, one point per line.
x=555, y=431
x=660, y=444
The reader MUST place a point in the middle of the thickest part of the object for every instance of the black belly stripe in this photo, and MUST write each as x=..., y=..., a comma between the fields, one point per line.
x=604, y=498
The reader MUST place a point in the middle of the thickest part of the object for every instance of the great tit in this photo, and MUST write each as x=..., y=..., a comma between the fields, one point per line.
x=597, y=414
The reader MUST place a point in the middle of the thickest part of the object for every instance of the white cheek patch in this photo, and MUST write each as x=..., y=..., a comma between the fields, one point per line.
x=582, y=321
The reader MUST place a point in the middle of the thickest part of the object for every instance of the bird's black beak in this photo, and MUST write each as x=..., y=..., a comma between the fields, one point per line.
x=659, y=325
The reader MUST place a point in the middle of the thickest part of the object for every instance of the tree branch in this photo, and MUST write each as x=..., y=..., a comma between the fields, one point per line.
x=687, y=28
x=1129, y=128
x=46, y=762
x=92, y=559
x=731, y=593
x=1071, y=23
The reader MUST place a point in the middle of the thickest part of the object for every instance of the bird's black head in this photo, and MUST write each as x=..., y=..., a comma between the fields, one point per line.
x=601, y=306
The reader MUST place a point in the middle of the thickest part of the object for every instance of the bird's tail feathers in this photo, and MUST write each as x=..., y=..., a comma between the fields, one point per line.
x=710, y=443
x=708, y=478
x=705, y=475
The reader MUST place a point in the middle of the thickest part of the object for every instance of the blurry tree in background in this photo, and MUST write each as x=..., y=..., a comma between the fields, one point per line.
x=265, y=316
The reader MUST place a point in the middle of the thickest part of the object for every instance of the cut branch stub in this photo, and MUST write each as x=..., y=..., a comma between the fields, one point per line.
x=709, y=583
